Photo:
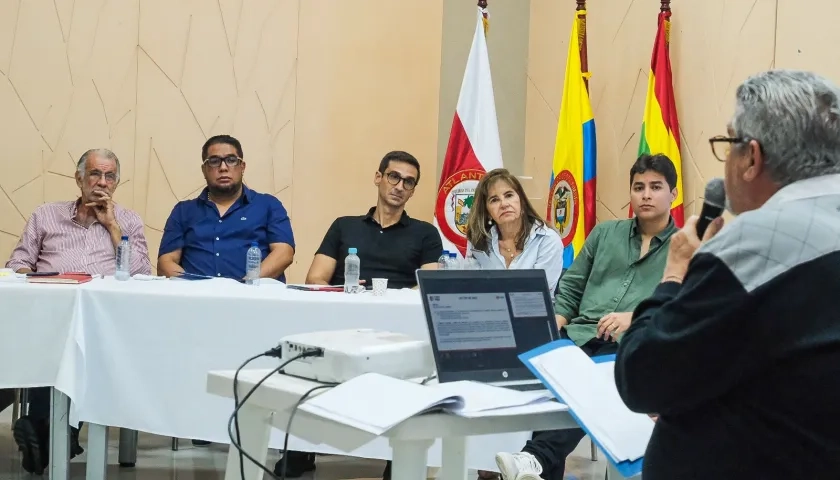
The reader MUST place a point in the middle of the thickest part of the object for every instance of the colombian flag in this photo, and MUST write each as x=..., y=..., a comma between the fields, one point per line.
x=571, y=199
x=661, y=129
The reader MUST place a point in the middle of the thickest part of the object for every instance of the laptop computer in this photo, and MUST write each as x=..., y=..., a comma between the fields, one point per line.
x=481, y=320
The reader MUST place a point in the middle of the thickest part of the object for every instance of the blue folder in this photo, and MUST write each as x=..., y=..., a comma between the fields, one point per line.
x=626, y=468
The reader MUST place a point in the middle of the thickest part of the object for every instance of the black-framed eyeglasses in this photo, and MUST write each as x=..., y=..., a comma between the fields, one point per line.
x=722, y=145
x=216, y=162
x=394, y=178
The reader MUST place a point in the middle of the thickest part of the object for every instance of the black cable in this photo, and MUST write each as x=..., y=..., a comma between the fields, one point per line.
x=234, y=417
x=236, y=402
x=291, y=417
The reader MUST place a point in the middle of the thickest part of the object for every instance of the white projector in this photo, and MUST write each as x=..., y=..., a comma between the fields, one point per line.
x=350, y=353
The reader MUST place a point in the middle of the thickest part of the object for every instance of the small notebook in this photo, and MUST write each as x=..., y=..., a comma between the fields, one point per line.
x=73, y=278
x=375, y=403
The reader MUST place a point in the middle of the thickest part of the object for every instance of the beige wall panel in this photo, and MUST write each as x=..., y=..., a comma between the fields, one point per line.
x=39, y=69
x=64, y=10
x=231, y=14
x=808, y=36
x=84, y=18
x=271, y=38
x=207, y=81
x=7, y=241
x=86, y=127
x=28, y=197
x=712, y=51
x=111, y=62
x=23, y=145
x=8, y=20
x=368, y=74
x=164, y=33
x=251, y=129
x=12, y=220
x=59, y=188
x=166, y=130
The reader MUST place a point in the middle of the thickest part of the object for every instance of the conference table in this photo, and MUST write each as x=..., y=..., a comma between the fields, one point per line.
x=135, y=354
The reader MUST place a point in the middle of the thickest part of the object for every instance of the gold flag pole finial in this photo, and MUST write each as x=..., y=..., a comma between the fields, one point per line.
x=584, y=55
x=665, y=7
x=482, y=4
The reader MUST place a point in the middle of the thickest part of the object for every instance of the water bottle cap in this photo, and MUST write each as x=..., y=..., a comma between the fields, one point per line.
x=254, y=244
x=124, y=237
x=446, y=252
x=351, y=251
x=453, y=255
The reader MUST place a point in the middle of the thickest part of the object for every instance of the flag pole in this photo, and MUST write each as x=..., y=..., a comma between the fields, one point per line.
x=584, y=57
x=485, y=19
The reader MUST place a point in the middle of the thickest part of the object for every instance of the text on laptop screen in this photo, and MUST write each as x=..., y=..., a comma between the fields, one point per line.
x=481, y=321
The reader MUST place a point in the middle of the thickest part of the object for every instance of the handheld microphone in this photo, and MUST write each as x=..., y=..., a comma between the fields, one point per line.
x=713, y=205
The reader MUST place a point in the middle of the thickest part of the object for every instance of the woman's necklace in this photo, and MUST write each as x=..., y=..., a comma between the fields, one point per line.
x=511, y=252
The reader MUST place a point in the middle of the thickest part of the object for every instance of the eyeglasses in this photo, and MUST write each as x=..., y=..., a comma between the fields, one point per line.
x=216, y=162
x=394, y=178
x=722, y=145
x=110, y=177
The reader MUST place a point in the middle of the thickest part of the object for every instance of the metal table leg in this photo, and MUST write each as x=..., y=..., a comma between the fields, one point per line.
x=128, y=447
x=97, y=452
x=59, y=468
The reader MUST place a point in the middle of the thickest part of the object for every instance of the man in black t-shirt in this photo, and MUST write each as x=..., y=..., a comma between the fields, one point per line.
x=390, y=244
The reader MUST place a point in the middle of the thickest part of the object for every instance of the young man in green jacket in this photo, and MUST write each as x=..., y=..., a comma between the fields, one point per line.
x=620, y=265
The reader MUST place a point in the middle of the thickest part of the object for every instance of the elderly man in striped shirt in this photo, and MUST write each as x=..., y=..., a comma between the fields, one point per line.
x=74, y=236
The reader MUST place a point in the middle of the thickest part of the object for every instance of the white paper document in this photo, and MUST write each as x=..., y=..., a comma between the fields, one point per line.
x=590, y=392
x=375, y=403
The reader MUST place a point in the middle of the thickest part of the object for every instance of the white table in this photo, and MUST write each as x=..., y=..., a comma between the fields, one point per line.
x=136, y=354
x=37, y=347
x=272, y=404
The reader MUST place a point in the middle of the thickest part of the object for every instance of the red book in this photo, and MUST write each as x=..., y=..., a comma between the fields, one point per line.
x=72, y=278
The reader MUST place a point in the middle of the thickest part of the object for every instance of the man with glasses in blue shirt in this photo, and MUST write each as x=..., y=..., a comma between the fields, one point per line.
x=210, y=235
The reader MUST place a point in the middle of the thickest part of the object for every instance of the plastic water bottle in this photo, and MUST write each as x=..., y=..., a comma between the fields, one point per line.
x=352, y=267
x=252, y=264
x=453, y=263
x=443, y=260
x=123, y=260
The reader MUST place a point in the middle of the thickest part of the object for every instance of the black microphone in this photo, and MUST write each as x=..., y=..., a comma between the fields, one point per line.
x=713, y=204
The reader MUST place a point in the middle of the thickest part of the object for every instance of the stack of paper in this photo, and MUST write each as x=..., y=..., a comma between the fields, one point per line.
x=589, y=390
x=375, y=403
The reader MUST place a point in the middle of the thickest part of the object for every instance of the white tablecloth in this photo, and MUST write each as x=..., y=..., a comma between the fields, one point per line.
x=136, y=354
x=35, y=323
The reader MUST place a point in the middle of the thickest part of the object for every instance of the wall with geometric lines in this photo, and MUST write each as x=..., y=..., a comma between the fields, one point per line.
x=319, y=90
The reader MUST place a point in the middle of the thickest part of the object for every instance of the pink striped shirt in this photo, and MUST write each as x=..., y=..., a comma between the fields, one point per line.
x=52, y=241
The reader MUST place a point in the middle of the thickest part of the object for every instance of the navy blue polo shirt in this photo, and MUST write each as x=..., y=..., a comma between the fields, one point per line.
x=217, y=245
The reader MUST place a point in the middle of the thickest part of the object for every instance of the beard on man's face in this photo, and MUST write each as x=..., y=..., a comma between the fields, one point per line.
x=224, y=190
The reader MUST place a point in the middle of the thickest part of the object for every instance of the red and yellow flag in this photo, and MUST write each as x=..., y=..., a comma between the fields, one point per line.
x=661, y=128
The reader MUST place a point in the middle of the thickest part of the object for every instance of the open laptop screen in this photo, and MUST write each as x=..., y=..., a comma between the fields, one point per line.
x=481, y=320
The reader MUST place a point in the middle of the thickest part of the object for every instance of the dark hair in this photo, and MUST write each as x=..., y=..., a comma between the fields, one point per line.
x=223, y=139
x=479, y=221
x=399, y=156
x=658, y=163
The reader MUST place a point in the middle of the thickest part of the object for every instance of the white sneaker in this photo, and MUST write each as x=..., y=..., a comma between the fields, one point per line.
x=518, y=466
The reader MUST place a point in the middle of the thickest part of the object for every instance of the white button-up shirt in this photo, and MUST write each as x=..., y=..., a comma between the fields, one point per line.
x=543, y=249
